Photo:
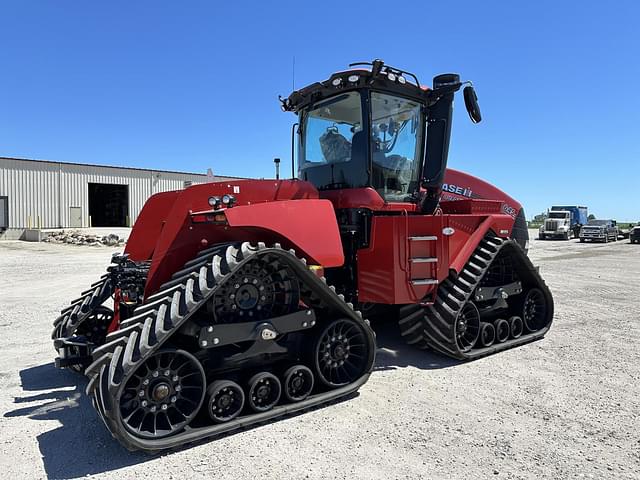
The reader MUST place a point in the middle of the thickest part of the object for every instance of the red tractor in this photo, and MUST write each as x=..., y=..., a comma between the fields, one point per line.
x=239, y=302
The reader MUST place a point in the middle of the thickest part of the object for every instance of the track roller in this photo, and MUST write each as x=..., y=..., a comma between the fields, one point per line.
x=226, y=400
x=298, y=383
x=516, y=326
x=502, y=330
x=487, y=334
x=264, y=391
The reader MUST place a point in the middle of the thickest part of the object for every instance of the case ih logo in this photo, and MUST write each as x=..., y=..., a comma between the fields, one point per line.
x=451, y=188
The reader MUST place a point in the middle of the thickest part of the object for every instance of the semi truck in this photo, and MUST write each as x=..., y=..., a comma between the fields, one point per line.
x=563, y=222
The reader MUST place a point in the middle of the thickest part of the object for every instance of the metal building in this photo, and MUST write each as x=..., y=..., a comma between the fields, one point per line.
x=45, y=194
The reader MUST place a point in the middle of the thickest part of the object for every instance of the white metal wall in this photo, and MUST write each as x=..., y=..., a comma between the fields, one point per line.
x=41, y=193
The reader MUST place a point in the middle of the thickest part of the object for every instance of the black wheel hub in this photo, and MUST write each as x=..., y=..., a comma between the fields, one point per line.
x=341, y=353
x=298, y=383
x=226, y=400
x=259, y=290
x=247, y=296
x=163, y=395
x=534, y=310
x=94, y=327
x=264, y=391
x=468, y=327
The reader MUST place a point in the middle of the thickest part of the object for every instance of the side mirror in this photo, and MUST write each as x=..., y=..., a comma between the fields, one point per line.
x=471, y=103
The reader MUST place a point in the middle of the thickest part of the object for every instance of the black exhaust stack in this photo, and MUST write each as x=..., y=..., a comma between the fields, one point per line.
x=438, y=136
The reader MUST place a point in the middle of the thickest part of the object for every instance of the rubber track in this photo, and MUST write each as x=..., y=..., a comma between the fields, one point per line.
x=72, y=317
x=154, y=322
x=433, y=326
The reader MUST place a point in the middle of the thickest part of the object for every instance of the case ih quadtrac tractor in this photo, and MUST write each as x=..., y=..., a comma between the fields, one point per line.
x=238, y=302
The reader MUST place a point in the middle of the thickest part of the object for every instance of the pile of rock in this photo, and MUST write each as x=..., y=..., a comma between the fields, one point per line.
x=78, y=238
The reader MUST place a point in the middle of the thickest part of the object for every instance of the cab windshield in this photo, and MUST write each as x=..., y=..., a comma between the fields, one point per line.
x=333, y=149
x=396, y=144
x=362, y=139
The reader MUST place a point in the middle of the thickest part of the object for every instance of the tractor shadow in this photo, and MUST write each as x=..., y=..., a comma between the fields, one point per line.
x=81, y=445
x=393, y=352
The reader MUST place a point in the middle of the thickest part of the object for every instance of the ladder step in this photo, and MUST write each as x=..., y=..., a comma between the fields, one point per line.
x=425, y=238
x=423, y=260
x=424, y=281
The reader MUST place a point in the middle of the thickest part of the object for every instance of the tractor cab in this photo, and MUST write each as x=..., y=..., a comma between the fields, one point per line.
x=377, y=128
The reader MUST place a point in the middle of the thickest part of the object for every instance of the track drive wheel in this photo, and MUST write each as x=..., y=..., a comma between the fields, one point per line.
x=163, y=395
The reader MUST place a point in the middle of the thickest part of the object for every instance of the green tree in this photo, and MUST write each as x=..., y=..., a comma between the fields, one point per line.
x=591, y=217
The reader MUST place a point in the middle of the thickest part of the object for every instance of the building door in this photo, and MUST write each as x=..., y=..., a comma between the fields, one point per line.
x=4, y=213
x=75, y=217
x=108, y=205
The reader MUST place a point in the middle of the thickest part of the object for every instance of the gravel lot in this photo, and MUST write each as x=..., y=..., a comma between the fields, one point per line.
x=564, y=407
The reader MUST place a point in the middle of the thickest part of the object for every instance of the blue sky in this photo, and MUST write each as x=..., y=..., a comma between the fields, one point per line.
x=193, y=85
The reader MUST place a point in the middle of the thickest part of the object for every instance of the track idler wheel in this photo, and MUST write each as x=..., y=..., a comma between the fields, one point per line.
x=340, y=353
x=163, y=395
x=487, y=334
x=534, y=310
x=502, y=330
x=468, y=327
x=298, y=383
x=226, y=400
x=264, y=391
x=516, y=326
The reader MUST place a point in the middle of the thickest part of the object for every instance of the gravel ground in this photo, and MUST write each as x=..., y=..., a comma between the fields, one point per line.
x=564, y=407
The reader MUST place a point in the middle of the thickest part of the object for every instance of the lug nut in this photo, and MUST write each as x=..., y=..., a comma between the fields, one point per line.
x=145, y=381
x=164, y=406
x=167, y=373
x=144, y=403
x=156, y=373
x=173, y=399
x=232, y=296
x=141, y=393
x=255, y=281
x=204, y=343
x=174, y=378
x=154, y=408
x=178, y=388
x=216, y=341
x=210, y=329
